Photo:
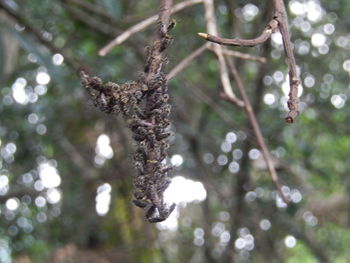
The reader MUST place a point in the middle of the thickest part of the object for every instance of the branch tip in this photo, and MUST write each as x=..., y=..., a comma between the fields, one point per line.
x=203, y=35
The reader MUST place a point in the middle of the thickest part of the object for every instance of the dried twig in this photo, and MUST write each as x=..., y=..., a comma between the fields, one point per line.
x=256, y=128
x=265, y=35
x=218, y=50
x=245, y=56
x=90, y=22
x=142, y=25
x=203, y=97
x=186, y=61
x=280, y=21
x=211, y=27
x=294, y=82
x=107, y=29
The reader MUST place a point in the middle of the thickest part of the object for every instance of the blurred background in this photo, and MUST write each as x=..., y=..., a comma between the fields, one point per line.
x=66, y=168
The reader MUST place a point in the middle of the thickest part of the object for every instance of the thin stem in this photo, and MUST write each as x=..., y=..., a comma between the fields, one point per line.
x=294, y=82
x=142, y=25
x=265, y=35
x=218, y=50
x=280, y=21
x=186, y=61
x=245, y=56
x=105, y=29
x=256, y=129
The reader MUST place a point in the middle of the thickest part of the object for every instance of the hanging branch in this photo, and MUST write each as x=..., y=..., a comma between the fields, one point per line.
x=219, y=50
x=279, y=21
x=145, y=103
x=256, y=129
x=294, y=82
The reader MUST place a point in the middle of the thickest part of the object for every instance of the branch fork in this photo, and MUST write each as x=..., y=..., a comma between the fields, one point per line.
x=280, y=21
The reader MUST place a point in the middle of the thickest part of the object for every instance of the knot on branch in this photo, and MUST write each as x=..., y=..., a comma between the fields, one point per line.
x=292, y=103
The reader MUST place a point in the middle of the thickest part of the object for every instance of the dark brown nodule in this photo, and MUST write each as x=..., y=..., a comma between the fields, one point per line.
x=289, y=119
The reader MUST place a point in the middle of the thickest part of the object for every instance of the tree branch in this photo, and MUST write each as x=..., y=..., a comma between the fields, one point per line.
x=218, y=50
x=186, y=61
x=265, y=35
x=294, y=82
x=280, y=21
x=108, y=30
x=245, y=56
x=215, y=107
x=142, y=25
x=256, y=129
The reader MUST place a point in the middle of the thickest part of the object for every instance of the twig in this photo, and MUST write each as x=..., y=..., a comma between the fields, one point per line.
x=142, y=25
x=164, y=16
x=280, y=21
x=218, y=50
x=153, y=174
x=186, y=61
x=90, y=22
x=245, y=56
x=242, y=182
x=294, y=82
x=265, y=35
x=100, y=27
x=202, y=96
x=154, y=65
x=69, y=61
x=256, y=129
